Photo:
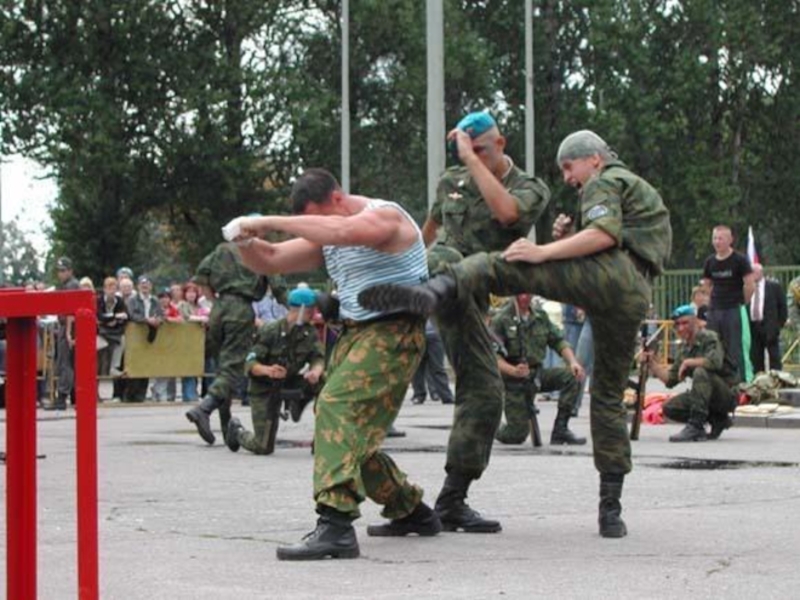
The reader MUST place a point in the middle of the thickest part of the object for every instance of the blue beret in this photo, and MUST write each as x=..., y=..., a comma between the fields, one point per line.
x=476, y=124
x=686, y=310
x=302, y=297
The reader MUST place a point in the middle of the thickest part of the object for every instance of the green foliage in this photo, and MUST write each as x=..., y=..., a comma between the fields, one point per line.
x=162, y=119
x=19, y=261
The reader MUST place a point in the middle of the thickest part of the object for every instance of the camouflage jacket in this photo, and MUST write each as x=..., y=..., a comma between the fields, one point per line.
x=527, y=339
x=707, y=345
x=631, y=211
x=222, y=270
x=467, y=224
x=291, y=347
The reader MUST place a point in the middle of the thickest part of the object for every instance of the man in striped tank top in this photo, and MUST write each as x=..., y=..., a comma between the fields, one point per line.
x=361, y=241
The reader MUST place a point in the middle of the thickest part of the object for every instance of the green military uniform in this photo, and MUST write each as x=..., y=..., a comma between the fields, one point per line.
x=711, y=396
x=612, y=286
x=293, y=347
x=467, y=226
x=526, y=339
x=231, y=326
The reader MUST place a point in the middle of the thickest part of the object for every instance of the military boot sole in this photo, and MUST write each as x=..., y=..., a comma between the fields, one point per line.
x=613, y=530
x=232, y=435
x=457, y=527
x=696, y=438
x=203, y=429
x=288, y=553
x=416, y=300
x=400, y=529
x=560, y=441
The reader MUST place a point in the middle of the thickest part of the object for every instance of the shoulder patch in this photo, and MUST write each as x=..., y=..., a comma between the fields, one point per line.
x=597, y=212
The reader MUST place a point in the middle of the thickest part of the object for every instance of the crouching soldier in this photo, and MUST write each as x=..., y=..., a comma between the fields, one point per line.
x=525, y=335
x=711, y=396
x=284, y=367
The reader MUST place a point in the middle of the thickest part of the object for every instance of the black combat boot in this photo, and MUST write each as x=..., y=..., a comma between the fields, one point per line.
x=693, y=432
x=199, y=416
x=59, y=404
x=455, y=514
x=611, y=524
x=422, y=521
x=334, y=537
x=297, y=406
x=561, y=433
x=224, y=417
x=421, y=300
x=232, y=435
x=719, y=423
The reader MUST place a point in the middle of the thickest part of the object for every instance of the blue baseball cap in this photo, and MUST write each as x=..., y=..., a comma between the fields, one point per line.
x=685, y=310
x=302, y=297
x=476, y=123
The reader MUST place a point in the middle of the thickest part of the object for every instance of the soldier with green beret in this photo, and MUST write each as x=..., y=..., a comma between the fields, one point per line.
x=231, y=326
x=482, y=204
x=525, y=334
x=604, y=259
x=711, y=396
x=284, y=366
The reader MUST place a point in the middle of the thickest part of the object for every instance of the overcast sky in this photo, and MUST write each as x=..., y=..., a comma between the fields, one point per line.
x=26, y=194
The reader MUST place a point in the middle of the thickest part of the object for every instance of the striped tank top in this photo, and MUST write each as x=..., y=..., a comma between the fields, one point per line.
x=356, y=268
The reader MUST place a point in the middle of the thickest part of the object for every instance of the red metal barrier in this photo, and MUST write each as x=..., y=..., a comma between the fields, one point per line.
x=21, y=308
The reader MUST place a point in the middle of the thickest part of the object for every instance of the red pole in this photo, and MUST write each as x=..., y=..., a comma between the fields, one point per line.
x=86, y=406
x=21, y=458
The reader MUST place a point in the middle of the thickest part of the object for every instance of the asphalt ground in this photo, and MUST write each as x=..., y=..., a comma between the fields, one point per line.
x=179, y=519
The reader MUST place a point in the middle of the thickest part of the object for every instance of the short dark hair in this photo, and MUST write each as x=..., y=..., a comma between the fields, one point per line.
x=314, y=185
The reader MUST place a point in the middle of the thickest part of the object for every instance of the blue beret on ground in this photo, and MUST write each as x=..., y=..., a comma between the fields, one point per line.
x=476, y=124
x=302, y=297
x=686, y=310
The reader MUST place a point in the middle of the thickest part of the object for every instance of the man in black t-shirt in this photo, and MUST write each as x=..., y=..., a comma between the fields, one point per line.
x=729, y=277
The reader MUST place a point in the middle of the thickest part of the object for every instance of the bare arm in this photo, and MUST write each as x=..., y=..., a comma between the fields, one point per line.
x=384, y=229
x=294, y=256
x=429, y=229
x=748, y=287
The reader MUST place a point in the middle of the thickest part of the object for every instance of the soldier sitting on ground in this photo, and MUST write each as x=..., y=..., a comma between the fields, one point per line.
x=711, y=396
x=275, y=369
x=525, y=335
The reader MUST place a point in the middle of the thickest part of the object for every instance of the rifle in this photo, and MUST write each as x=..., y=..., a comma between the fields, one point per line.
x=641, y=384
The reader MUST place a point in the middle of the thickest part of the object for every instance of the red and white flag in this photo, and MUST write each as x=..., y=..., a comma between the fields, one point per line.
x=751, y=247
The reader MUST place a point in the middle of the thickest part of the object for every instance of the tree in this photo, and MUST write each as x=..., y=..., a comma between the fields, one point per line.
x=19, y=261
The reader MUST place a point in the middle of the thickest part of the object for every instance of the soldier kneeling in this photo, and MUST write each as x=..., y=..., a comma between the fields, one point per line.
x=284, y=368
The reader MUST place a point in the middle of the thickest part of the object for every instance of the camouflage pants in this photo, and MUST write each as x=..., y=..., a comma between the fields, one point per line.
x=518, y=399
x=614, y=295
x=708, y=398
x=479, y=387
x=231, y=326
x=366, y=381
x=265, y=409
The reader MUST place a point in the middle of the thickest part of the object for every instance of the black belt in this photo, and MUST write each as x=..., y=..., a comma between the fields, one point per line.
x=405, y=316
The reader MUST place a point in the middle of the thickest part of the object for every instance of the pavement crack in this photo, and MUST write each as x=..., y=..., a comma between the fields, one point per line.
x=723, y=564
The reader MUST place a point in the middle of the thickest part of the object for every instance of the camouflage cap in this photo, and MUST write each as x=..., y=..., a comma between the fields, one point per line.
x=581, y=144
x=63, y=263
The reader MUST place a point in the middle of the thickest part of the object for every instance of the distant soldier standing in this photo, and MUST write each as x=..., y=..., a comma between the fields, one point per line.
x=526, y=334
x=605, y=264
x=275, y=368
x=65, y=339
x=231, y=326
